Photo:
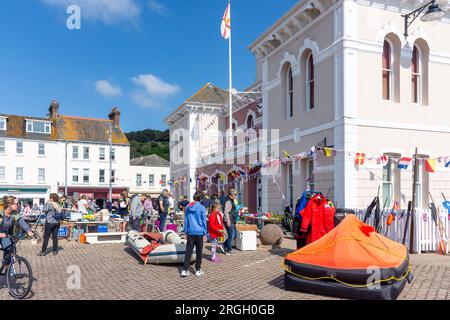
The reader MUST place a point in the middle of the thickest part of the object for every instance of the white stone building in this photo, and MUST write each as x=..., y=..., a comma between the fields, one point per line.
x=342, y=70
x=149, y=175
x=39, y=156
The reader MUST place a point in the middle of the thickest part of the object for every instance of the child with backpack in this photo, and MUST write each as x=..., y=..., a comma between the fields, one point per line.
x=215, y=229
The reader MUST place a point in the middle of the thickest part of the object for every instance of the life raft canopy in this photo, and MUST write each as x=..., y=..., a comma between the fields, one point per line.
x=345, y=260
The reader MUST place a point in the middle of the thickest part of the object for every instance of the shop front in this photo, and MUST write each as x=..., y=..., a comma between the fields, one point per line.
x=100, y=195
x=26, y=195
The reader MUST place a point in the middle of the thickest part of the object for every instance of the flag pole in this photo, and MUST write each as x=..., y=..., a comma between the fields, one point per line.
x=230, y=95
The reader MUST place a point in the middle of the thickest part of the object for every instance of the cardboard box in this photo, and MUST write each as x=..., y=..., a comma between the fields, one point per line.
x=246, y=227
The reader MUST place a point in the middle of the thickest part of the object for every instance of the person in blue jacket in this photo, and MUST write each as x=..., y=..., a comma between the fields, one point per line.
x=195, y=228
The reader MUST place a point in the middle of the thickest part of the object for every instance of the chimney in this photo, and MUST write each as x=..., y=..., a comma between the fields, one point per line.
x=54, y=110
x=114, y=116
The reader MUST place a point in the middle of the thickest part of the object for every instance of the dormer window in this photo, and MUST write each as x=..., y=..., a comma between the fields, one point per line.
x=35, y=126
x=3, y=124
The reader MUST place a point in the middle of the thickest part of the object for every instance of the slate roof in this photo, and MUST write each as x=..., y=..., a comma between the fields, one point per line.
x=66, y=128
x=152, y=160
x=213, y=96
x=209, y=94
x=15, y=128
x=88, y=130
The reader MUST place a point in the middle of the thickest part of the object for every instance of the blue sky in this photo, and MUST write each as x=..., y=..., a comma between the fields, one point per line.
x=144, y=56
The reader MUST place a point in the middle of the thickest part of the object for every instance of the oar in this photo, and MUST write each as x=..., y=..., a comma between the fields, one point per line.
x=442, y=242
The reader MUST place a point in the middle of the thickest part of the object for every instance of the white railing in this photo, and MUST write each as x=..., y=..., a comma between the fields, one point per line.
x=426, y=233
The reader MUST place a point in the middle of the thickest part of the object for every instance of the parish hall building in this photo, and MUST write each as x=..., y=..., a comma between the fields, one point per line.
x=339, y=74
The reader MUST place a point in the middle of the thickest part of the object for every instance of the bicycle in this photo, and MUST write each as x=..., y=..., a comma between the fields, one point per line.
x=19, y=275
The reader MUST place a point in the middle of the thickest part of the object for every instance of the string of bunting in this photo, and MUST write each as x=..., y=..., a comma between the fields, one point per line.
x=360, y=159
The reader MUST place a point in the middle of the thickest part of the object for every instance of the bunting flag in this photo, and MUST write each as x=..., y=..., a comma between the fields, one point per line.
x=430, y=165
x=384, y=160
x=447, y=165
x=327, y=152
x=286, y=154
x=360, y=158
x=404, y=163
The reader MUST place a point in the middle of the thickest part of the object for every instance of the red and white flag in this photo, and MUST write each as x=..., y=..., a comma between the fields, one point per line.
x=384, y=160
x=225, y=29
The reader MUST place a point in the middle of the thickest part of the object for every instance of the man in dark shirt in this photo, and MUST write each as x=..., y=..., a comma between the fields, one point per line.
x=163, y=209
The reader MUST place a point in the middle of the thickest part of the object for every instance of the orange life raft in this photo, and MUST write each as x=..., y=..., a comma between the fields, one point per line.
x=351, y=261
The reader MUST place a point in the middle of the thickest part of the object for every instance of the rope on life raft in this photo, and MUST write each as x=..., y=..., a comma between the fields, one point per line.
x=392, y=278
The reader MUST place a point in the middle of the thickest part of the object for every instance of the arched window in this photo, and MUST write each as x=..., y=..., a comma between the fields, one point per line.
x=419, y=72
x=250, y=122
x=416, y=75
x=387, y=71
x=290, y=93
x=310, y=82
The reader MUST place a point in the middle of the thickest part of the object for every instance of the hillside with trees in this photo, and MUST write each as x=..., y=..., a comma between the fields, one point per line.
x=147, y=142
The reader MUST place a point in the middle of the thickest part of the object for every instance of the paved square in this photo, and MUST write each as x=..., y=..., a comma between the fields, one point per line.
x=115, y=272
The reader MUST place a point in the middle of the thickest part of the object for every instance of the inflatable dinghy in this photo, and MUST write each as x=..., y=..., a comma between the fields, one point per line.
x=158, y=248
x=351, y=261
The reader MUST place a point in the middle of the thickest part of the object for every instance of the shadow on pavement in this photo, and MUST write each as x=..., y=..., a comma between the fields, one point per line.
x=279, y=251
x=278, y=282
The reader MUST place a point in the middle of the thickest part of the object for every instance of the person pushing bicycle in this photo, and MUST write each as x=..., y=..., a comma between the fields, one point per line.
x=10, y=224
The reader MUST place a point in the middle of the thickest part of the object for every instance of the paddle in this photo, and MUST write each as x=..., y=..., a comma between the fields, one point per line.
x=441, y=231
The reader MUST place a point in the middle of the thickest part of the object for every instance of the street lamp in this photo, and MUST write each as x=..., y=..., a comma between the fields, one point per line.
x=433, y=13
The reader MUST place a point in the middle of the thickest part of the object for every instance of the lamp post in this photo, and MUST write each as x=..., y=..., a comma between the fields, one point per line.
x=433, y=13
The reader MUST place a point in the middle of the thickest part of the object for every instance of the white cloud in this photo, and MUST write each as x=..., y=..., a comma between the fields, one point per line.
x=108, y=11
x=107, y=89
x=151, y=90
x=157, y=7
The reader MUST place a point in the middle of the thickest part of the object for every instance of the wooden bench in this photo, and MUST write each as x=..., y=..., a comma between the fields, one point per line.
x=106, y=237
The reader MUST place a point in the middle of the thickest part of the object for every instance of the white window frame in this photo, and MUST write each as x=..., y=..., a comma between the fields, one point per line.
x=138, y=180
x=84, y=153
x=151, y=180
x=310, y=174
x=419, y=76
x=113, y=154
x=30, y=126
x=41, y=147
x=17, y=147
x=75, y=173
x=113, y=175
x=309, y=83
x=390, y=180
x=290, y=183
x=86, y=170
x=289, y=93
x=2, y=124
x=77, y=152
x=102, y=177
x=390, y=71
x=102, y=154
x=2, y=173
x=420, y=183
x=2, y=146
x=19, y=174
x=41, y=175
x=164, y=178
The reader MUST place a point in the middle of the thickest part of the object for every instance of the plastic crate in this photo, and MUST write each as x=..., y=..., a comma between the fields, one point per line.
x=102, y=229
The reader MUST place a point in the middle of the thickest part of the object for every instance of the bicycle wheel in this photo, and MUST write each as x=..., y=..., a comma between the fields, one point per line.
x=19, y=278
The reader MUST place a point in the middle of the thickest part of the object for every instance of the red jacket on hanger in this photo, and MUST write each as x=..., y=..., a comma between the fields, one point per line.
x=320, y=216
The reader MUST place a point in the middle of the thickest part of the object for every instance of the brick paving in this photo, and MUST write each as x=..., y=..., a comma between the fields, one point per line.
x=114, y=272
